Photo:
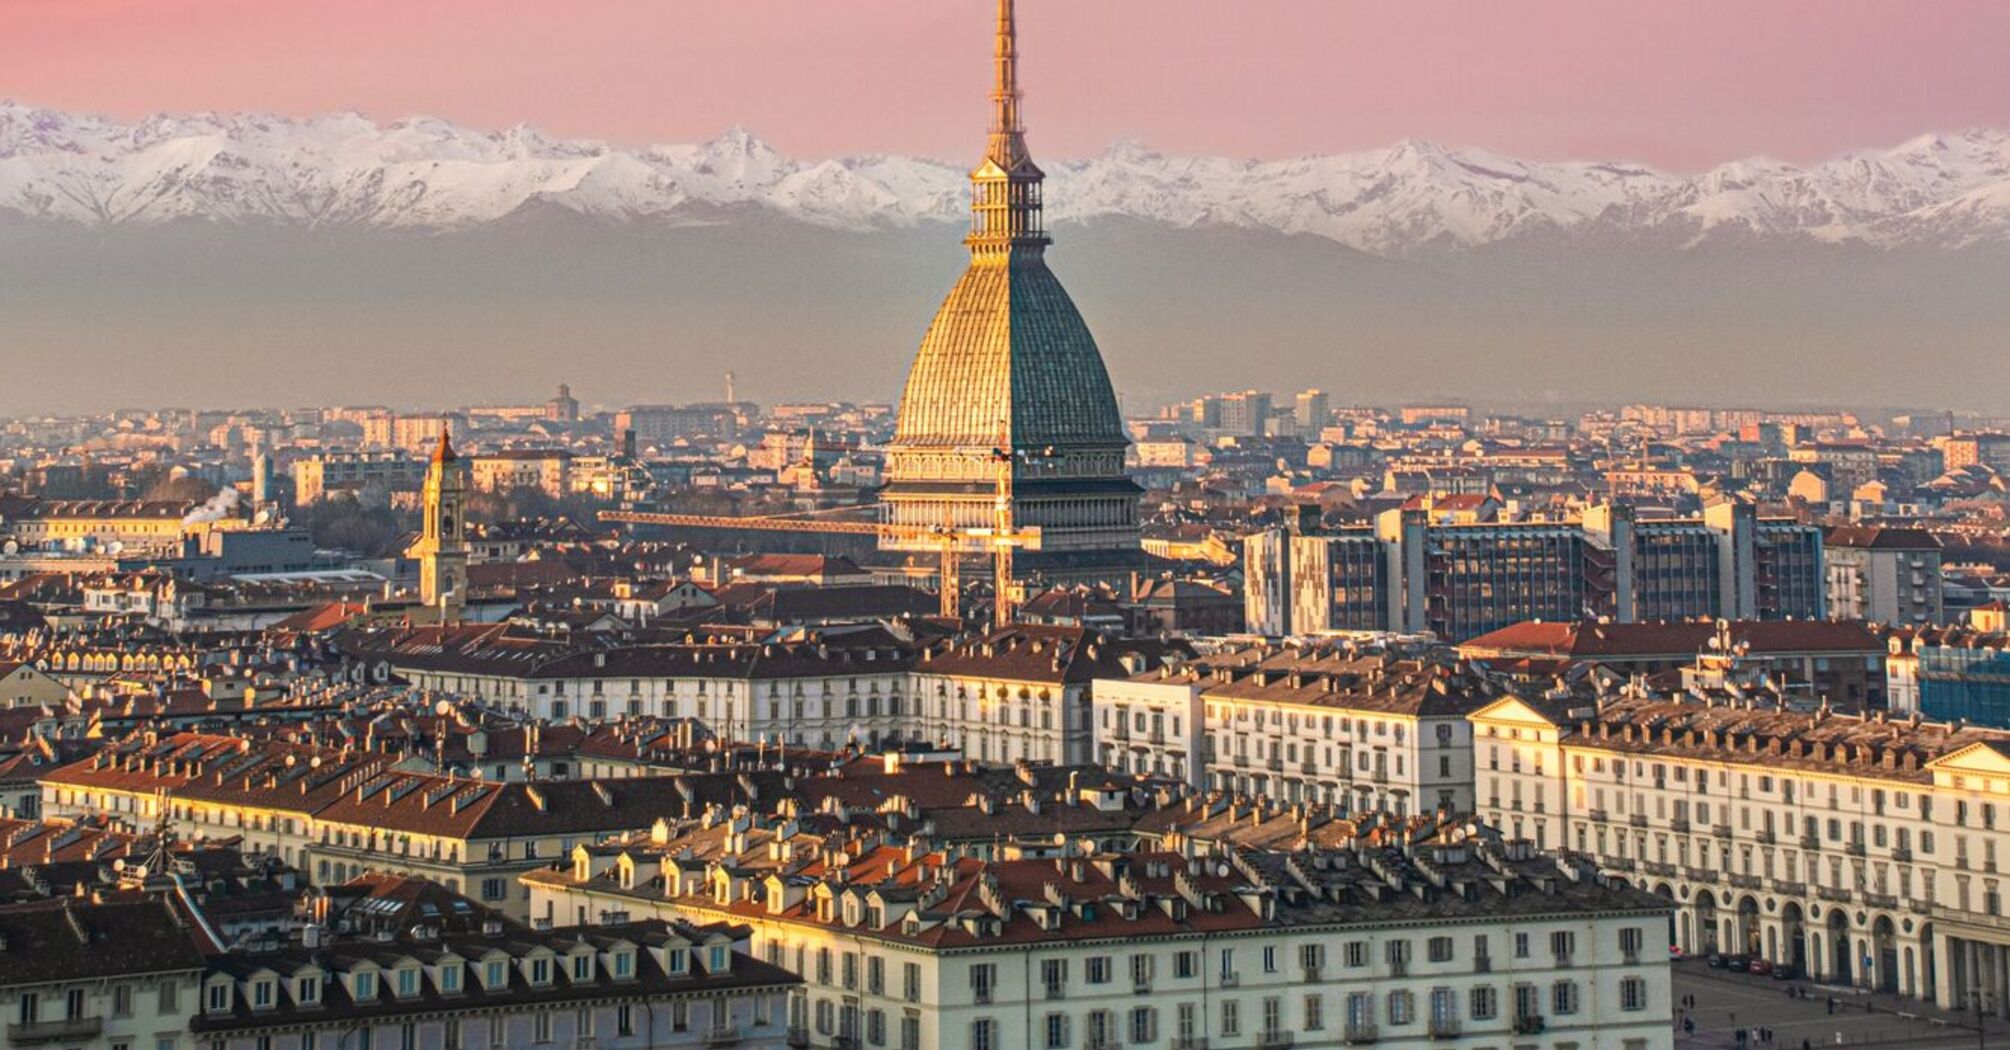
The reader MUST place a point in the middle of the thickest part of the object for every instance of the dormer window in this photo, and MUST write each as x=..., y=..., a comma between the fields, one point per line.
x=720, y=956
x=366, y=986
x=263, y=994
x=408, y=982
x=497, y=976
x=582, y=968
x=307, y=991
x=679, y=961
x=450, y=979
x=624, y=965
x=219, y=997
x=540, y=971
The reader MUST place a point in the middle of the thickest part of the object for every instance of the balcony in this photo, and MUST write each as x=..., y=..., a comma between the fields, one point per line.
x=1057, y=991
x=1230, y=980
x=1620, y=864
x=1655, y=867
x=1722, y=831
x=1102, y=1042
x=1854, y=849
x=1699, y=874
x=1563, y=960
x=1881, y=900
x=1141, y=985
x=1902, y=854
x=1680, y=824
x=1831, y=893
x=1189, y=1042
x=1530, y=1024
x=1359, y=1033
x=1312, y=974
x=1598, y=816
x=1789, y=888
x=1274, y=764
x=1275, y=1039
x=849, y=1042
x=723, y=1037
x=1309, y=768
x=1743, y=882
x=1811, y=843
x=1399, y=967
x=798, y=1037
x=1766, y=838
x=1444, y=1028
x=1638, y=820
x=1483, y=964
x=31, y=1033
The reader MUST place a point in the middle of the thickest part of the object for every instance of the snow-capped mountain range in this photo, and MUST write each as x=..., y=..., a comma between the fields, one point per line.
x=1934, y=192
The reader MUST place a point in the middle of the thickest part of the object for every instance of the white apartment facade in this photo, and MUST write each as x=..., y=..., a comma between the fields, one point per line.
x=1161, y=951
x=1860, y=851
x=1356, y=731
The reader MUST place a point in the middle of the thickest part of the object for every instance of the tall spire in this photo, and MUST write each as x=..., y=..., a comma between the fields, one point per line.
x=1008, y=135
x=1005, y=189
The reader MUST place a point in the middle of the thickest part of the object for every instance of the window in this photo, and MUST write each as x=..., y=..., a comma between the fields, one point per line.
x=1315, y=1013
x=122, y=1000
x=540, y=971
x=1357, y=954
x=31, y=1007
x=1231, y=1018
x=540, y=1026
x=1054, y=976
x=496, y=976
x=1521, y=945
x=910, y=1032
x=1099, y=969
x=624, y=1019
x=624, y=965
x=1402, y=1007
x=1144, y=1024
x=408, y=983
x=1630, y=940
x=1440, y=949
x=1485, y=1003
x=1186, y=964
x=1632, y=994
x=983, y=977
x=366, y=985
x=1563, y=998
x=1141, y=971
x=910, y=982
x=261, y=996
x=984, y=1034
x=582, y=967
x=875, y=1027
x=450, y=978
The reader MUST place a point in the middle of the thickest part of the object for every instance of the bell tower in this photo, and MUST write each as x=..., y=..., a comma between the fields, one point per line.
x=442, y=548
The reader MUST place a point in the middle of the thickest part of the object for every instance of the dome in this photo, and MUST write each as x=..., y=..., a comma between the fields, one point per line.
x=1008, y=346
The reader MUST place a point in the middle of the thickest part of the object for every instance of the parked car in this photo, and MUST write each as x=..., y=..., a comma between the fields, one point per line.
x=1716, y=961
x=1758, y=966
x=1676, y=954
x=1784, y=972
x=1737, y=963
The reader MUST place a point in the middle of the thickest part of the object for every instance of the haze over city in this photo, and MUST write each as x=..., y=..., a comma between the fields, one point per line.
x=156, y=252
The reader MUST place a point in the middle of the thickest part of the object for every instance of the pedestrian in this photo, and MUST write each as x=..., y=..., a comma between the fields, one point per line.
x=1805, y=1045
x=1832, y=1005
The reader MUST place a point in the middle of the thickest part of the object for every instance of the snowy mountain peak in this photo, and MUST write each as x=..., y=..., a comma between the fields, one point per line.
x=1935, y=191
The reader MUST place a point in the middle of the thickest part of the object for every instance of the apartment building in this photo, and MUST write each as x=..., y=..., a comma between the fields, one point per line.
x=101, y=973
x=1860, y=850
x=1022, y=693
x=1887, y=575
x=1405, y=945
x=447, y=982
x=317, y=477
x=807, y=694
x=1460, y=575
x=1357, y=730
x=339, y=813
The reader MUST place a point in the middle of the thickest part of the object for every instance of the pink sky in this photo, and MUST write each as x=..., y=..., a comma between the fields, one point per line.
x=1680, y=83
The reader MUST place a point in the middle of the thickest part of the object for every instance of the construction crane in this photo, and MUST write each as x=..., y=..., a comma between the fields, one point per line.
x=951, y=541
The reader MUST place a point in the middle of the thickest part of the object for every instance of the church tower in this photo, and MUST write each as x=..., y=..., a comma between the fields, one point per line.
x=1009, y=381
x=442, y=548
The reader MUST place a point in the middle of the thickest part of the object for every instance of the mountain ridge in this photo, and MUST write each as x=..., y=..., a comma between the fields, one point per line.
x=1935, y=192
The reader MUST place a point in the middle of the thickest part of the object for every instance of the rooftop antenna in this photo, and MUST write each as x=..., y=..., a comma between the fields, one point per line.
x=730, y=399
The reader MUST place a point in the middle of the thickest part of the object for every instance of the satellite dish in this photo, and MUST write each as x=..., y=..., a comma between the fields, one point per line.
x=10, y=547
x=443, y=708
x=115, y=548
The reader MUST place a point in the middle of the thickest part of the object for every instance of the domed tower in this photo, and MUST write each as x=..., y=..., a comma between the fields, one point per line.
x=442, y=548
x=1009, y=378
